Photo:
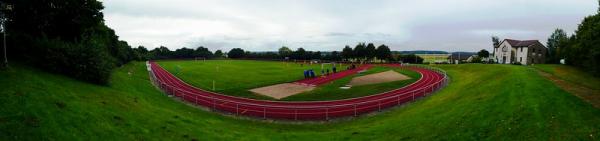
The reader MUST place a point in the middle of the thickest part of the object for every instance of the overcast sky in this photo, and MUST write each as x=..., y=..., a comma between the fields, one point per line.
x=326, y=25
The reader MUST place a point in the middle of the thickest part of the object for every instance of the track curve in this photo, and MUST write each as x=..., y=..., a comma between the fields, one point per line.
x=431, y=79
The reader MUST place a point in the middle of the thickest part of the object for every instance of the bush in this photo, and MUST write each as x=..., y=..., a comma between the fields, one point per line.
x=84, y=61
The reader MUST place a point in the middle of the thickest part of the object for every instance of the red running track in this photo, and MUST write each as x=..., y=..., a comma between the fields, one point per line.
x=431, y=80
x=334, y=76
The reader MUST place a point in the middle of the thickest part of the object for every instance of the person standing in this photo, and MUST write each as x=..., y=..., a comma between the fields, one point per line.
x=305, y=74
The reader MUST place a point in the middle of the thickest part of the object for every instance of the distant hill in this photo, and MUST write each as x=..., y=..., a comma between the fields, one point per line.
x=420, y=52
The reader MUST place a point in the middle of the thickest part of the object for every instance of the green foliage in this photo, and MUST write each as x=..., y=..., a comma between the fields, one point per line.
x=483, y=53
x=203, y=52
x=383, y=52
x=64, y=19
x=370, y=51
x=410, y=58
x=67, y=37
x=555, y=43
x=218, y=53
x=285, y=51
x=360, y=51
x=347, y=52
x=495, y=41
x=236, y=53
x=85, y=61
x=583, y=49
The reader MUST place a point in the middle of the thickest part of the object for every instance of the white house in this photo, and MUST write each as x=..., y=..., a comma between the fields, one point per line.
x=520, y=51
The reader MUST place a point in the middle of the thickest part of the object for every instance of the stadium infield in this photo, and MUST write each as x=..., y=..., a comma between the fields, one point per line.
x=314, y=110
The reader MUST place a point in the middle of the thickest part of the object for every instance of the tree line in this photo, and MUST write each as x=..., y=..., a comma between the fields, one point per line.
x=362, y=52
x=581, y=49
x=65, y=36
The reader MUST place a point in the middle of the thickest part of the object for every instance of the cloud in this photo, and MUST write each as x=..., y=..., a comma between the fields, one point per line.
x=329, y=25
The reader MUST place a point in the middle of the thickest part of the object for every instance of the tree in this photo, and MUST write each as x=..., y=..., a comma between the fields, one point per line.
x=360, y=51
x=584, y=50
x=383, y=52
x=483, y=53
x=335, y=56
x=184, y=53
x=236, y=53
x=410, y=58
x=300, y=53
x=347, y=53
x=218, y=53
x=555, y=40
x=67, y=37
x=495, y=43
x=141, y=53
x=203, y=52
x=65, y=19
x=370, y=51
x=161, y=52
x=285, y=52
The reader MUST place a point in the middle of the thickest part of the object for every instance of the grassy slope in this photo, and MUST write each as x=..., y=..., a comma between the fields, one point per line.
x=332, y=90
x=500, y=102
x=566, y=73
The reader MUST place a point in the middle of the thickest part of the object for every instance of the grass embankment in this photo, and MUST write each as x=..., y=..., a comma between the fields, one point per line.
x=237, y=77
x=580, y=83
x=483, y=102
x=571, y=74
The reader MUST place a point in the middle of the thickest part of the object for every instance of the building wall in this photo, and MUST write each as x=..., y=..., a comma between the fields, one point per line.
x=522, y=55
x=537, y=54
x=502, y=54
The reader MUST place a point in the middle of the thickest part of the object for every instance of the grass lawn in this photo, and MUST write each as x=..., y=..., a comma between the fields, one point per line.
x=236, y=77
x=567, y=73
x=332, y=90
x=482, y=102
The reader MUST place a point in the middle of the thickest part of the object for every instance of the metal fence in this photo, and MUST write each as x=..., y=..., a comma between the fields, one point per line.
x=305, y=110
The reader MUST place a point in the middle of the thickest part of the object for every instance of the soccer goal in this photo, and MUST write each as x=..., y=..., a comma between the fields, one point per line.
x=199, y=58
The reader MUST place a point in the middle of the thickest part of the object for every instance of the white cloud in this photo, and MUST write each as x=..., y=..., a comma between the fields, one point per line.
x=331, y=24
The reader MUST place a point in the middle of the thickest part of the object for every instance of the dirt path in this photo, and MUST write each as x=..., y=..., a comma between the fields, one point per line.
x=589, y=95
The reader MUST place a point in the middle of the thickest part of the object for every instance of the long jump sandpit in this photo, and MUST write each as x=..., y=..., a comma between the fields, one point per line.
x=381, y=77
x=282, y=90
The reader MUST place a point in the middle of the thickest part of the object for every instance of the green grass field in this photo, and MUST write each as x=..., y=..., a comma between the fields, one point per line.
x=566, y=73
x=482, y=102
x=237, y=77
x=432, y=58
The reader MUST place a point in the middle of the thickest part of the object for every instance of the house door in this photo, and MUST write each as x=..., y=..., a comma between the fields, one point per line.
x=503, y=59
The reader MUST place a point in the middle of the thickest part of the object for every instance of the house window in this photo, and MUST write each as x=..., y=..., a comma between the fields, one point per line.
x=520, y=59
x=521, y=49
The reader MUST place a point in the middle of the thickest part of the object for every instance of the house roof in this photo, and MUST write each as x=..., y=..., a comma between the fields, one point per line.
x=521, y=43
